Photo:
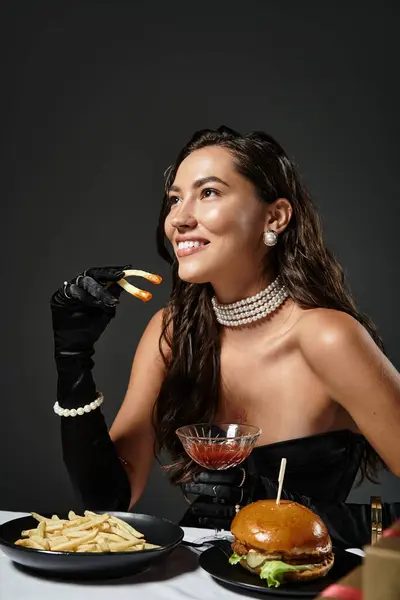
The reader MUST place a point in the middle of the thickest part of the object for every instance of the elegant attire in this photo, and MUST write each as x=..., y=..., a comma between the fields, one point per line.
x=322, y=466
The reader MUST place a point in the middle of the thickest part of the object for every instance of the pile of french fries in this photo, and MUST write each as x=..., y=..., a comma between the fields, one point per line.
x=89, y=533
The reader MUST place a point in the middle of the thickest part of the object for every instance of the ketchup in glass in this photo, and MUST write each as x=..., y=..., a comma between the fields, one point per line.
x=218, y=456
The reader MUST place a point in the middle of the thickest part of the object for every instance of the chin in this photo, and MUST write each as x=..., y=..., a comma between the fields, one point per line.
x=190, y=274
x=193, y=277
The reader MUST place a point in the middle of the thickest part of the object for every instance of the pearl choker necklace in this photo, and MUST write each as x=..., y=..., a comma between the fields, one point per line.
x=253, y=308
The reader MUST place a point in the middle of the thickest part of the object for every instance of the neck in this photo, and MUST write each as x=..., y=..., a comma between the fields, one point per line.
x=227, y=293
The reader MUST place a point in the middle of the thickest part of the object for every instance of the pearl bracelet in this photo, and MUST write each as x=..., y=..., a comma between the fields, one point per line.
x=73, y=412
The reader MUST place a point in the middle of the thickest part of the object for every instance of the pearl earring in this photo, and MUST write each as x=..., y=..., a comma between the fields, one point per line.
x=270, y=238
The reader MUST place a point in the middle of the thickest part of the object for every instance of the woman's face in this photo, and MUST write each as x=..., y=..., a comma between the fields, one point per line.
x=216, y=221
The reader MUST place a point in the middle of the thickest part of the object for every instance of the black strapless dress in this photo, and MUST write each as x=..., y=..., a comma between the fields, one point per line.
x=322, y=467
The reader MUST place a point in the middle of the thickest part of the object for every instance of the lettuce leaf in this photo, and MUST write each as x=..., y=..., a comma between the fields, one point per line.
x=235, y=559
x=274, y=570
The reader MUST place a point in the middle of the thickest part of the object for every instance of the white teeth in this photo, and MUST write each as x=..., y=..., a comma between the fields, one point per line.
x=194, y=244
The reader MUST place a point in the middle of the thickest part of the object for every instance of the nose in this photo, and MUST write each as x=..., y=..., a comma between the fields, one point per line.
x=183, y=218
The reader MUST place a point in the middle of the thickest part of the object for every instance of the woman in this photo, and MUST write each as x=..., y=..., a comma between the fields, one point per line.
x=307, y=368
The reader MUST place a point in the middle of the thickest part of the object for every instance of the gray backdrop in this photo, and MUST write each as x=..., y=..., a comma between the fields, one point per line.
x=101, y=97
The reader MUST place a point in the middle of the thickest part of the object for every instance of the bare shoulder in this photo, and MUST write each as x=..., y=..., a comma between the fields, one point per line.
x=329, y=325
x=152, y=338
x=155, y=325
x=325, y=333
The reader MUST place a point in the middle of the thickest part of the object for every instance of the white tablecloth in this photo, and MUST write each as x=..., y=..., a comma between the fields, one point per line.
x=177, y=577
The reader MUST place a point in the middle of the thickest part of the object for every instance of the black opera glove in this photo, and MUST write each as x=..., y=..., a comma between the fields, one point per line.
x=349, y=524
x=220, y=493
x=81, y=310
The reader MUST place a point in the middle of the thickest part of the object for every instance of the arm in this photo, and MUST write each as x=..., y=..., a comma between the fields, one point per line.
x=358, y=376
x=110, y=470
x=132, y=431
x=81, y=310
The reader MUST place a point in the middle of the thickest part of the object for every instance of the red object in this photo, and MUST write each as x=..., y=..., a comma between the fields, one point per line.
x=218, y=456
x=391, y=533
x=343, y=592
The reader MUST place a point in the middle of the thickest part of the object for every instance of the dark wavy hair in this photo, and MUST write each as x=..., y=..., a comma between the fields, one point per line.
x=191, y=335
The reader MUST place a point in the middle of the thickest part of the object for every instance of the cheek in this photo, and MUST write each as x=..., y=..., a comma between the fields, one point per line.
x=236, y=222
x=168, y=229
x=213, y=218
x=220, y=220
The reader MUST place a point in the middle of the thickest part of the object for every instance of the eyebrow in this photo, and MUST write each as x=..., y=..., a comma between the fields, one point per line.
x=200, y=182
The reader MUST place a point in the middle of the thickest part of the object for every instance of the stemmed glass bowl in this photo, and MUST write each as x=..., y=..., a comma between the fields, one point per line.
x=220, y=445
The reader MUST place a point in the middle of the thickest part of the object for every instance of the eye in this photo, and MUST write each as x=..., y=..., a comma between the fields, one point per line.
x=173, y=200
x=209, y=193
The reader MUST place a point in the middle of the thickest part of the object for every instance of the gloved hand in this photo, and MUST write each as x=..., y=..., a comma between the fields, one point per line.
x=219, y=491
x=81, y=310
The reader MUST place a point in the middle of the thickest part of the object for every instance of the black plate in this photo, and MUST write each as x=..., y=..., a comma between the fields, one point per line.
x=216, y=563
x=90, y=565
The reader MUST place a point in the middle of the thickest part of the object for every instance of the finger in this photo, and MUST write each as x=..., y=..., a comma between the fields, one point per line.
x=227, y=477
x=221, y=511
x=96, y=290
x=74, y=291
x=222, y=492
x=107, y=274
x=115, y=290
x=211, y=522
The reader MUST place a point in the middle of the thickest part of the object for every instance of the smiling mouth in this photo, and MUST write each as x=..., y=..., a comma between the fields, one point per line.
x=186, y=248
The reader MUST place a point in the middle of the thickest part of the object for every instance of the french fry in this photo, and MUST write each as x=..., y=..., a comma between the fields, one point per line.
x=111, y=537
x=88, y=548
x=41, y=529
x=72, y=533
x=103, y=544
x=75, y=522
x=41, y=542
x=157, y=279
x=124, y=533
x=57, y=541
x=125, y=525
x=135, y=291
x=121, y=546
x=28, y=532
x=29, y=543
x=75, y=542
x=54, y=526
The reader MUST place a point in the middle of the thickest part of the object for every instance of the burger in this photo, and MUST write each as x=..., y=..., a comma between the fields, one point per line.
x=281, y=543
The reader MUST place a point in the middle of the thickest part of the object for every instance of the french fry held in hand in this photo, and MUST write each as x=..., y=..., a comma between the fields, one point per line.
x=89, y=533
x=135, y=291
